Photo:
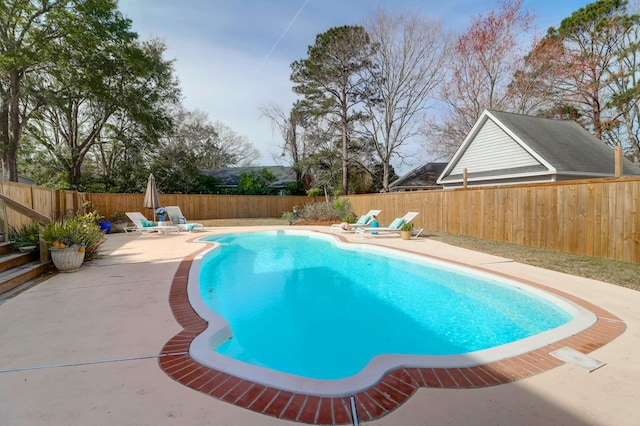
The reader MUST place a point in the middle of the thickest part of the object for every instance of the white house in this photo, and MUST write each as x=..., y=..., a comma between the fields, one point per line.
x=506, y=148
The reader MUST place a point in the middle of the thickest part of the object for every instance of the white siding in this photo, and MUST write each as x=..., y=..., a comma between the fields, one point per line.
x=492, y=149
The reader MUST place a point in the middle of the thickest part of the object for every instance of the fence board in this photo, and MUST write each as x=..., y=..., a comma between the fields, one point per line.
x=200, y=207
x=597, y=217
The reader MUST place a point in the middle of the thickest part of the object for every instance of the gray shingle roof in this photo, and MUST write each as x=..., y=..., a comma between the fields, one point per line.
x=420, y=177
x=564, y=144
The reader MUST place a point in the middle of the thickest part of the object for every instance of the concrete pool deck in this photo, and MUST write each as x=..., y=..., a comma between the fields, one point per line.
x=83, y=348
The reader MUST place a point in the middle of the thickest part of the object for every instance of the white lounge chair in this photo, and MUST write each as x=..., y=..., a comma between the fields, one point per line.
x=141, y=225
x=178, y=219
x=394, y=227
x=362, y=222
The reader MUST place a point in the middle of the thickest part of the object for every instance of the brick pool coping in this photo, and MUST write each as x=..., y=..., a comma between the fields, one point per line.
x=394, y=389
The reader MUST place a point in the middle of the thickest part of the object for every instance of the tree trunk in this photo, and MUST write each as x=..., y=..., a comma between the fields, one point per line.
x=74, y=174
x=345, y=164
x=4, y=130
x=385, y=176
x=345, y=144
x=597, y=121
x=633, y=138
x=10, y=151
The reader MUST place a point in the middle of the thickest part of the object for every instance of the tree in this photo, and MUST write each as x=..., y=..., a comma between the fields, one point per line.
x=323, y=161
x=289, y=126
x=124, y=79
x=121, y=165
x=585, y=50
x=626, y=86
x=256, y=183
x=587, y=69
x=377, y=184
x=330, y=80
x=407, y=66
x=235, y=148
x=483, y=61
x=193, y=145
x=214, y=145
x=175, y=171
x=32, y=34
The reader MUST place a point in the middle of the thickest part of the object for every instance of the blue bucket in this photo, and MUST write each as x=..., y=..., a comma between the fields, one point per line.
x=374, y=224
x=105, y=227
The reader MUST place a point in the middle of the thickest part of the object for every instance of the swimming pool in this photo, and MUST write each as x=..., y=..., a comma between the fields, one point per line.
x=287, y=335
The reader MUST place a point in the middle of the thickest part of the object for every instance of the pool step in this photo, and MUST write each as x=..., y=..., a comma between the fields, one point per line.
x=19, y=268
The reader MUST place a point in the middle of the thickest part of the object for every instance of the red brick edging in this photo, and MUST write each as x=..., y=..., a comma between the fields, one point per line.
x=389, y=393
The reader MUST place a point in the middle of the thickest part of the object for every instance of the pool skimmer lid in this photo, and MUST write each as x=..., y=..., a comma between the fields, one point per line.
x=574, y=357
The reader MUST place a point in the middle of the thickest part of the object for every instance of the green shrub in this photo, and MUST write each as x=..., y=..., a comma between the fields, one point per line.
x=26, y=235
x=343, y=207
x=289, y=217
x=79, y=230
x=350, y=218
x=319, y=212
x=314, y=192
x=325, y=212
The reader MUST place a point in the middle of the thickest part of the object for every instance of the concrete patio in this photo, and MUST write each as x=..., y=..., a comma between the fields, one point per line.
x=82, y=349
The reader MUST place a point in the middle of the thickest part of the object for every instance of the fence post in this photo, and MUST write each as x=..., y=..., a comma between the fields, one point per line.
x=618, y=154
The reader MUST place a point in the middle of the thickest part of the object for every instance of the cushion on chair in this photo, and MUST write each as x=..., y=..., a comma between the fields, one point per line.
x=363, y=220
x=397, y=223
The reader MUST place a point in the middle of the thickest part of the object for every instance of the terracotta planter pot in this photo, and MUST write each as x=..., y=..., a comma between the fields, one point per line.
x=405, y=235
x=68, y=259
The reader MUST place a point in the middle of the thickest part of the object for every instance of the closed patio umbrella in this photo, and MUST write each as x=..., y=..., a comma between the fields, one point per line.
x=151, y=199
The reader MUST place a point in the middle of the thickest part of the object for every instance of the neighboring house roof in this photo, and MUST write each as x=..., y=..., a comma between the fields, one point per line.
x=21, y=179
x=230, y=176
x=513, y=148
x=423, y=177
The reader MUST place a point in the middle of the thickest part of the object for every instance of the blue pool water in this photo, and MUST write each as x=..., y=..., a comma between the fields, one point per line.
x=302, y=305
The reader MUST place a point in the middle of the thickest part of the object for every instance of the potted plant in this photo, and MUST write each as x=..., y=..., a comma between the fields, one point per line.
x=405, y=231
x=73, y=240
x=162, y=214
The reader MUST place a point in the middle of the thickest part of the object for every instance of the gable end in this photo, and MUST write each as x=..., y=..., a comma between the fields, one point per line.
x=493, y=150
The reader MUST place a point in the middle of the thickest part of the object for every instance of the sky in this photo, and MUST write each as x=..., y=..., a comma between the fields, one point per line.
x=233, y=56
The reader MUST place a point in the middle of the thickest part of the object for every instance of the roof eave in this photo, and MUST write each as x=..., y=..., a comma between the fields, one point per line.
x=501, y=177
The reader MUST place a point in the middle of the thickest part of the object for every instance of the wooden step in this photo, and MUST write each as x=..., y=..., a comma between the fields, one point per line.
x=20, y=274
x=5, y=247
x=15, y=259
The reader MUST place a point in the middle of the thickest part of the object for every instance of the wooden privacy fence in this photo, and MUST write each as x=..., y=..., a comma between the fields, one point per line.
x=55, y=204
x=599, y=217
x=200, y=207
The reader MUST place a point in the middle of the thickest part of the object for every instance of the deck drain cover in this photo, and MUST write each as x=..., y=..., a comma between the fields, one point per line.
x=574, y=357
